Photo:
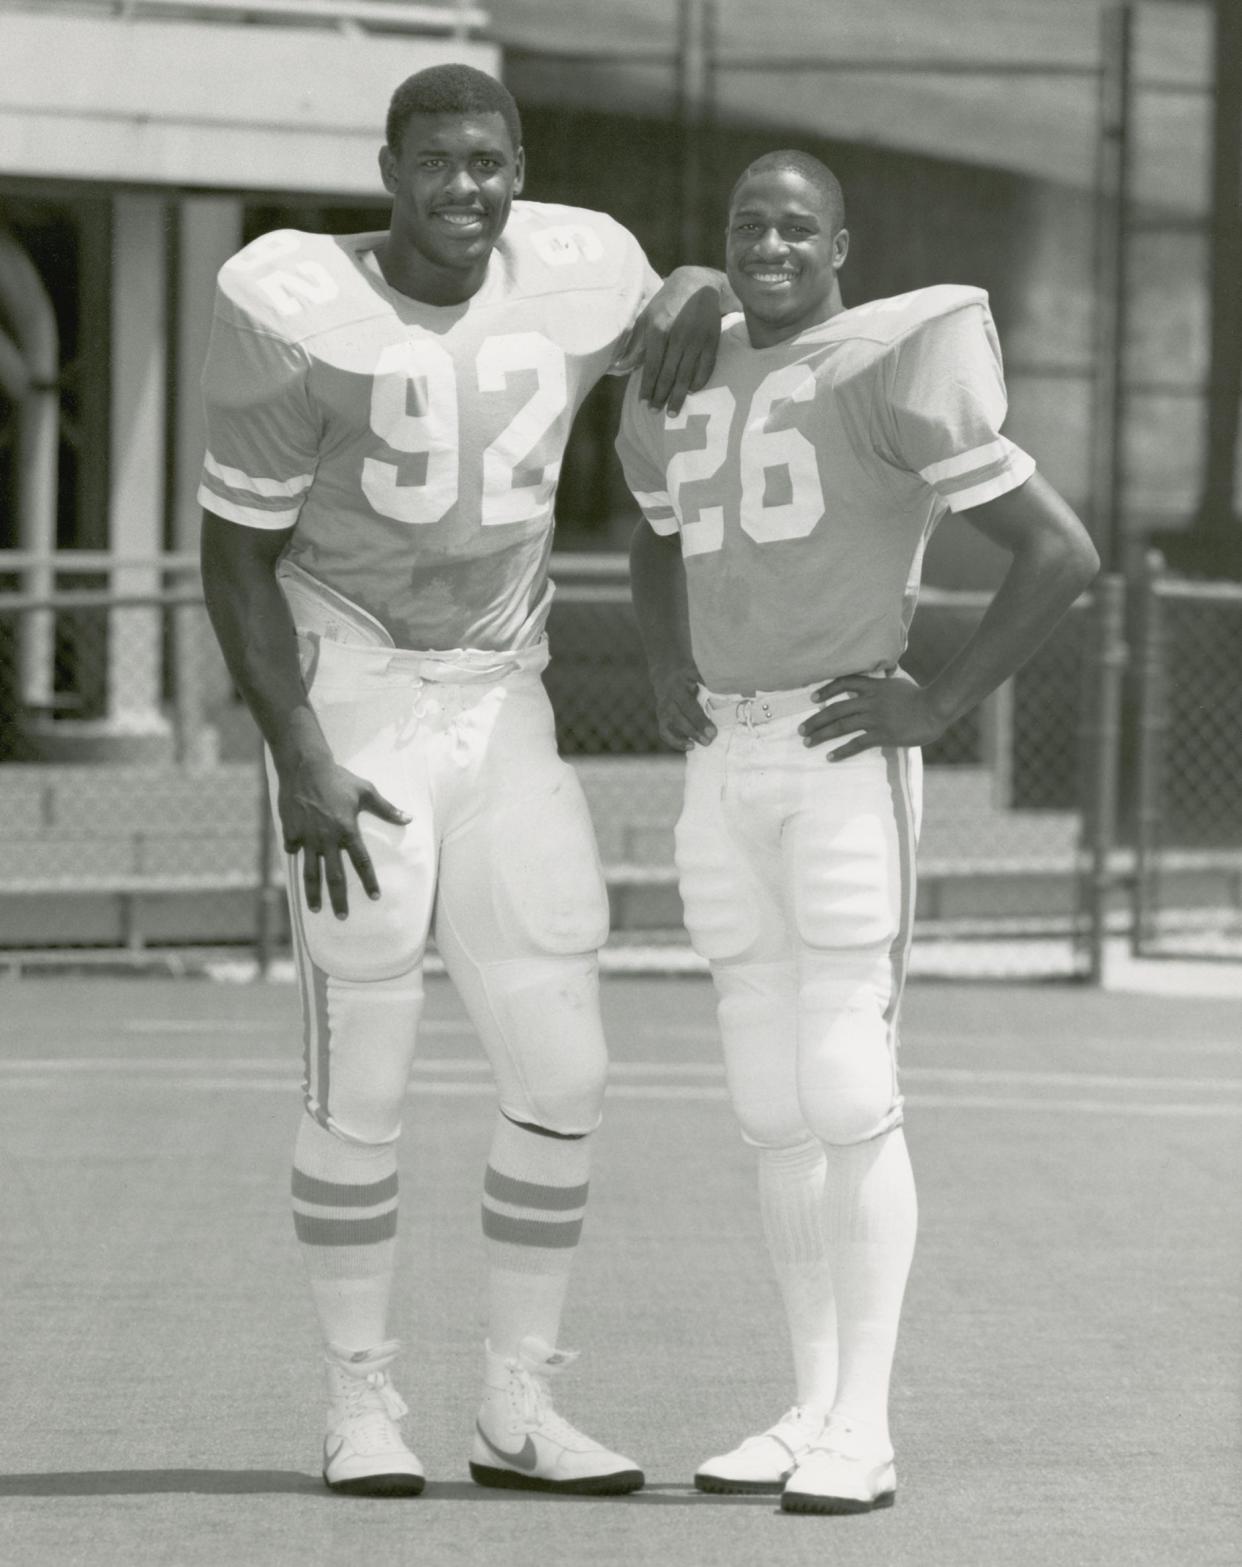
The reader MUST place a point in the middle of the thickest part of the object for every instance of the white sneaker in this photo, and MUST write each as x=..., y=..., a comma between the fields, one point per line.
x=521, y=1443
x=764, y=1462
x=363, y=1454
x=841, y=1475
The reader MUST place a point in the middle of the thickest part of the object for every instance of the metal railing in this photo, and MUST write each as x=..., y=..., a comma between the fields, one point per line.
x=137, y=791
x=454, y=18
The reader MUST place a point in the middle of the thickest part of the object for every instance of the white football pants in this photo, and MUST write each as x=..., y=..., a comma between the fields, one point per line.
x=797, y=878
x=498, y=858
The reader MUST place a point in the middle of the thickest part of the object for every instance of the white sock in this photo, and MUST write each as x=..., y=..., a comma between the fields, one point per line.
x=791, y=1200
x=345, y=1216
x=534, y=1197
x=870, y=1219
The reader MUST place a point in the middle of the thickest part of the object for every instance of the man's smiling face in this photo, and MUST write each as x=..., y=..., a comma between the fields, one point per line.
x=452, y=180
x=782, y=252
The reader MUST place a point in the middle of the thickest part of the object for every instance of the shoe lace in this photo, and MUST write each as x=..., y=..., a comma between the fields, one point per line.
x=797, y=1419
x=533, y=1400
x=373, y=1394
x=843, y=1440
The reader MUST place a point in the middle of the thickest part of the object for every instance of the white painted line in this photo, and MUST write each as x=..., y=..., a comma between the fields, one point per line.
x=913, y=1040
x=1181, y=1085
x=446, y=1027
x=478, y=1066
x=1075, y=1106
x=672, y=1092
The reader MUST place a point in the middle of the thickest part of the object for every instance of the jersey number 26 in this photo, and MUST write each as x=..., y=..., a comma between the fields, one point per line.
x=759, y=451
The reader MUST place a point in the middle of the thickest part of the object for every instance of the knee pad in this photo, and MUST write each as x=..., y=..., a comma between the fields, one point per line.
x=757, y=1009
x=360, y=1042
x=540, y=1024
x=728, y=914
x=847, y=1073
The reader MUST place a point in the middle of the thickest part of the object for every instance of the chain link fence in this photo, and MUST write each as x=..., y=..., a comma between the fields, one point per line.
x=122, y=824
x=1188, y=795
x=133, y=816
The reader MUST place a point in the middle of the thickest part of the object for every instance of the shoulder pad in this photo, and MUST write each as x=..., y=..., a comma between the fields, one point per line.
x=293, y=283
x=889, y=320
x=557, y=242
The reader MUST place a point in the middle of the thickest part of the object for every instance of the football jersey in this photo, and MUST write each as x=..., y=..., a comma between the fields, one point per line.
x=805, y=478
x=415, y=449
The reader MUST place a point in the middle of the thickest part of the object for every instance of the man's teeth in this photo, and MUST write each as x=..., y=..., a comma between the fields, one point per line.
x=463, y=219
x=772, y=277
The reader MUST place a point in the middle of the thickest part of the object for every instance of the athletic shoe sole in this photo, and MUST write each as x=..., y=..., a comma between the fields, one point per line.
x=378, y=1485
x=719, y=1487
x=802, y=1502
x=618, y=1484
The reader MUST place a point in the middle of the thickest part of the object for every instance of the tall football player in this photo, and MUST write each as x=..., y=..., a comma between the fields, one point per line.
x=387, y=414
x=789, y=502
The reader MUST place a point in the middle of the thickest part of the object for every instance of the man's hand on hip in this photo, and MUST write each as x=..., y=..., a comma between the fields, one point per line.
x=875, y=711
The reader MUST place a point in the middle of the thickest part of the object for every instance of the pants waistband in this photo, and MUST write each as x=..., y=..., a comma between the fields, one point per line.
x=452, y=666
x=765, y=706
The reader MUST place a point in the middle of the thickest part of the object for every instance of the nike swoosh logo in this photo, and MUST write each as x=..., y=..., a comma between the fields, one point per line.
x=526, y=1457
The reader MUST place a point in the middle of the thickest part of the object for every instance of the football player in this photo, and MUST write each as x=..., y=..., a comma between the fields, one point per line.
x=387, y=414
x=787, y=506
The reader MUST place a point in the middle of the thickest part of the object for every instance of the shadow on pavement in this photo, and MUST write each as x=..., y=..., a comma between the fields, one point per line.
x=251, y=1482
x=661, y=1494
x=142, y=1482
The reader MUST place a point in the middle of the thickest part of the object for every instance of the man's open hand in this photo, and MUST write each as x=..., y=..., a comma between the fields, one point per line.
x=319, y=805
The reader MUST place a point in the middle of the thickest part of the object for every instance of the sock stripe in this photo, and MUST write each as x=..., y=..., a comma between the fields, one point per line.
x=315, y=1230
x=530, y=1194
x=332, y=1194
x=550, y=1234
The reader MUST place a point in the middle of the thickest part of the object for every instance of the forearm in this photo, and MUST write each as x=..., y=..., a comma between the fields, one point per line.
x=658, y=588
x=253, y=626
x=693, y=279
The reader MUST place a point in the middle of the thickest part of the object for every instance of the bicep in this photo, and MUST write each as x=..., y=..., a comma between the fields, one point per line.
x=656, y=552
x=1031, y=511
x=240, y=589
x=233, y=553
x=1038, y=527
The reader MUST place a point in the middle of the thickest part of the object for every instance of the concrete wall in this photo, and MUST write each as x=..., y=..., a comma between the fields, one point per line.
x=172, y=102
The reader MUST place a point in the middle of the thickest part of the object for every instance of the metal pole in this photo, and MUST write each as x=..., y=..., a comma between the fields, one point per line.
x=1102, y=753
x=1113, y=181
x=1218, y=521
x=710, y=220
x=691, y=57
x=1152, y=652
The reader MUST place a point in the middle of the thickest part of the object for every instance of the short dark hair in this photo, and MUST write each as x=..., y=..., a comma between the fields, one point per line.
x=450, y=89
x=811, y=170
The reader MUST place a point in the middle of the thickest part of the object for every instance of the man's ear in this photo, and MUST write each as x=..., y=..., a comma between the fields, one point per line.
x=840, y=248
x=519, y=166
x=388, y=168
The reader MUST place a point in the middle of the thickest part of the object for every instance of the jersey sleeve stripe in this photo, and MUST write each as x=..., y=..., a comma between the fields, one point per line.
x=1016, y=469
x=269, y=489
x=248, y=516
x=657, y=507
x=964, y=462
